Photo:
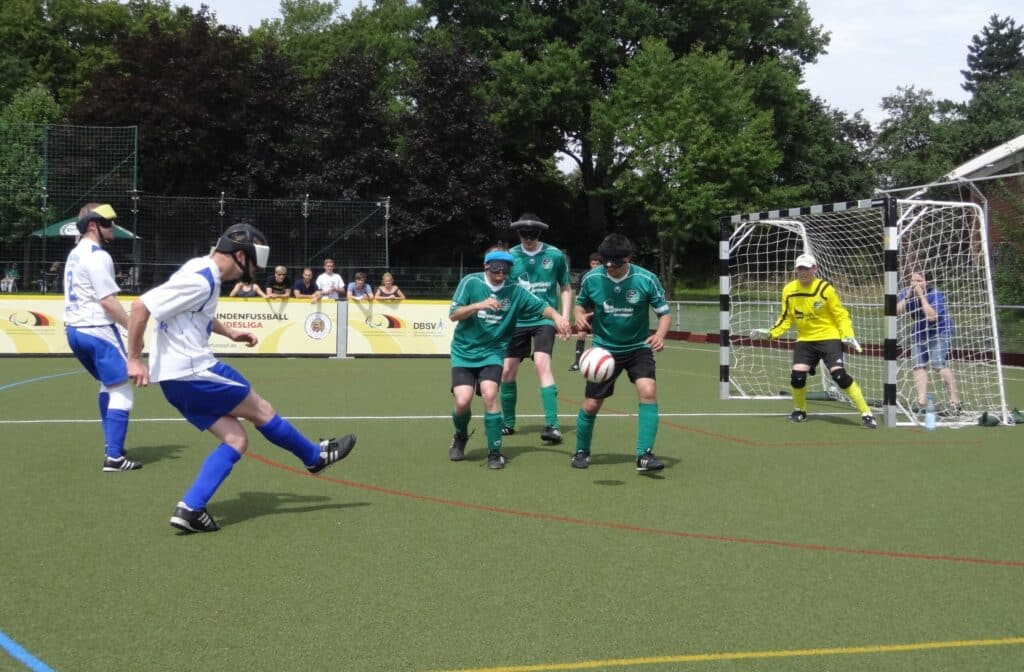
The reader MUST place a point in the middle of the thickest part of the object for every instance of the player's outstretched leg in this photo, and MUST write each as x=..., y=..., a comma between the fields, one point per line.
x=331, y=451
x=316, y=456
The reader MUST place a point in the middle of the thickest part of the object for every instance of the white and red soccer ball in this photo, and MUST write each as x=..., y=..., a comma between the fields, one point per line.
x=597, y=365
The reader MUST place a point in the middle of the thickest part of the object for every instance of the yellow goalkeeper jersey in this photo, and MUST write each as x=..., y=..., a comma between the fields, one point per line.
x=816, y=311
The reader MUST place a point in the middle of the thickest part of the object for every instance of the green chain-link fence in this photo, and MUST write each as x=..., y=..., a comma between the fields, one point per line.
x=48, y=172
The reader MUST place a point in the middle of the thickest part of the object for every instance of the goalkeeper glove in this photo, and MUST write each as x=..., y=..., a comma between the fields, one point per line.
x=852, y=342
x=760, y=333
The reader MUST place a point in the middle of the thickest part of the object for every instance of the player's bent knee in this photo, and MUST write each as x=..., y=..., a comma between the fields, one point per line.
x=798, y=379
x=122, y=397
x=842, y=378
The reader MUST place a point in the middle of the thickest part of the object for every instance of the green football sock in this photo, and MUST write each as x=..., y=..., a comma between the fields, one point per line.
x=492, y=426
x=509, y=394
x=647, y=427
x=461, y=423
x=581, y=345
x=584, y=430
x=549, y=398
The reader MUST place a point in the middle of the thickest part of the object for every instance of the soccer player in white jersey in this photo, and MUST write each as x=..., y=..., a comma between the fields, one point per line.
x=91, y=313
x=542, y=270
x=208, y=393
x=615, y=301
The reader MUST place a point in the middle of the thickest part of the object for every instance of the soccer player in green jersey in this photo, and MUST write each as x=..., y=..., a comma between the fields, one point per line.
x=542, y=270
x=487, y=306
x=620, y=294
x=823, y=325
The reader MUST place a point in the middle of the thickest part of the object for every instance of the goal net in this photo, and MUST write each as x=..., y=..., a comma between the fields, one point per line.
x=867, y=250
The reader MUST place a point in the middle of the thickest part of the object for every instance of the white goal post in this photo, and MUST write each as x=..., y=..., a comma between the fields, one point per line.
x=867, y=250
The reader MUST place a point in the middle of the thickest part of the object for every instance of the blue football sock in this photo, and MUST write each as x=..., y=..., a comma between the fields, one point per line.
x=215, y=469
x=115, y=428
x=104, y=402
x=282, y=433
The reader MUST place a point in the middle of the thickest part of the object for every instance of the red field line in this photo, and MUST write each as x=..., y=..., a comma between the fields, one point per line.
x=1017, y=564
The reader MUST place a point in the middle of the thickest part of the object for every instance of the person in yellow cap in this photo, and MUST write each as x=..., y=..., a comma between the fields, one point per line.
x=92, y=314
x=823, y=326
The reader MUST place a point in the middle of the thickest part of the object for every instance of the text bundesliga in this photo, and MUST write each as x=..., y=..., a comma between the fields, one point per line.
x=252, y=317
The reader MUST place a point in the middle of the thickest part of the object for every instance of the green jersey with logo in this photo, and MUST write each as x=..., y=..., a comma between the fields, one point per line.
x=541, y=273
x=481, y=339
x=621, y=321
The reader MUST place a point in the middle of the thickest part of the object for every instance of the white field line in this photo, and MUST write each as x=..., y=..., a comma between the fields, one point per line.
x=413, y=418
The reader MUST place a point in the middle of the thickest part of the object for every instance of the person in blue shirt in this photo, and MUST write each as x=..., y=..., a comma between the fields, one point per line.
x=930, y=339
x=359, y=289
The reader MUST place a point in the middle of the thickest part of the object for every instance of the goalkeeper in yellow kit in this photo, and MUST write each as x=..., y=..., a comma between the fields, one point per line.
x=823, y=325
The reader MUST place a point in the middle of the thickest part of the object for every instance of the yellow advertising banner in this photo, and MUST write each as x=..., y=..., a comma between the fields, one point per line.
x=35, y=325
x=32, y=325
x=284, y=327
x=407, y=327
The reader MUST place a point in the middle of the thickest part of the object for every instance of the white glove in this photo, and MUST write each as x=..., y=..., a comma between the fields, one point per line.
x=760, y=333
x=852, y=342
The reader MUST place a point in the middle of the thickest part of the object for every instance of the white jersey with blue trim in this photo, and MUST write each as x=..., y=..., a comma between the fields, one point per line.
x=88, y=278
x=184, y=308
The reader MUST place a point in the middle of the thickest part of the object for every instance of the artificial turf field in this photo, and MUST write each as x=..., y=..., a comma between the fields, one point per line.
x=762, y=546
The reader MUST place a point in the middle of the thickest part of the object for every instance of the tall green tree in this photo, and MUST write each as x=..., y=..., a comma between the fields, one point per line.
x=456, y=179
x=994, y=115
x=22, y=134
x=274, y=110
x=185, y=89
x=995, y=112
x=348, y=137
x=828, y=158
x=994, y=54
x=916, y=141
x=695, y=143
x=58, y=43
x=573, y=54
x=306, y=34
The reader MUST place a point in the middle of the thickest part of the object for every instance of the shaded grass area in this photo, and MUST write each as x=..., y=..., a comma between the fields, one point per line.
x=759, y=536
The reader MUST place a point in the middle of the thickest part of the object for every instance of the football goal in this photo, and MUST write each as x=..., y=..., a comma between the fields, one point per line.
x=868, y=251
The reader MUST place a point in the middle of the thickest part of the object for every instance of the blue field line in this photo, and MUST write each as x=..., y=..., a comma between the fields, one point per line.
x=18, y=652
x=40, y=378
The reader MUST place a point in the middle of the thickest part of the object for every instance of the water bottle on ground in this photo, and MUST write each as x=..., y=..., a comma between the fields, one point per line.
x=929, y=414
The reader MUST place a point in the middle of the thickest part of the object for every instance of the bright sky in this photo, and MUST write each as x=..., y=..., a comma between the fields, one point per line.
x=877, y=45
